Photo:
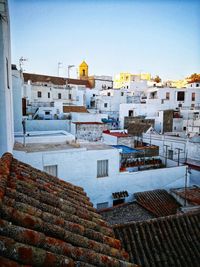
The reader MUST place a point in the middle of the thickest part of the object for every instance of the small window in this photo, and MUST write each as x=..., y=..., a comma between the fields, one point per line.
x=93, y=95
x=47, y=112
x=59, y=96
x=130, y=113
x=122, y=93
x=83, y=73
x=167, y=95
x=193, y=96
x=39, y=94
x=184, y=128
x=70, y=96
x=180, y=96
x=108, y=94
x=51, y=169
x=197, y=85
x=48, y=94
x=102, y=168
x=174, y=128
x=170, y=154
x=105, y=105
x=102, y=205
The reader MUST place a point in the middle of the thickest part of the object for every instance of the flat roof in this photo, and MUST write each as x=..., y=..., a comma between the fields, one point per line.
x=87, y=122
x=39, y=147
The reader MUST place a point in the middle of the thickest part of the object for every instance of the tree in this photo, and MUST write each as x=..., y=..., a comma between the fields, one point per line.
x=194, y=78
x=157, y=79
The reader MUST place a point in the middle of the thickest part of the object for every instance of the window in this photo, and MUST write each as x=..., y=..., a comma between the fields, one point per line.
x=174, y=128
x=39, y=94
x=7, y=72
x=59, y=95
x=102, y=168
x=51, y=169
x=184, y=128
x=105, y=105
x=197, y=85
x=93, y=95
x=180, y=96
x=48, y=94
x=193, y=96
x=108, y=94
x=170, y=154
x=167, y=95
x=70, y=96
x=47, y=112
x=102, y=205
x=130, y=113
x=122, y=93
x=83, y=73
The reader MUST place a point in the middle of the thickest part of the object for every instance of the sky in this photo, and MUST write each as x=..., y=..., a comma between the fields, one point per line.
x=112, y=36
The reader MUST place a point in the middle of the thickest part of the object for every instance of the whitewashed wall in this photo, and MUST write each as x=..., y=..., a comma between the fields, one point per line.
x=79, y=166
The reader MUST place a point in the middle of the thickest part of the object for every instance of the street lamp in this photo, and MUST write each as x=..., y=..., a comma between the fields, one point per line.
x=68, y=70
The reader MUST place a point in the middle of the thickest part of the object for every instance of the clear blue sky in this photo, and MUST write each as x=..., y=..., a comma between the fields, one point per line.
x=160, y=37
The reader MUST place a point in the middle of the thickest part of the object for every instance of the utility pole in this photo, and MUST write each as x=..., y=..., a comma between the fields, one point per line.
x=166, y=154
x=68, y=70
x=186, y=172
x=179, y=150
x=59, y=67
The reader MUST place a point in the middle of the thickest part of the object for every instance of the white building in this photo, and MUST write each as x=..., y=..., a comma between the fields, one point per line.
x=180, y=149
x=6, y=103
x=50, y=91
x=159, y=99
x=95, y=167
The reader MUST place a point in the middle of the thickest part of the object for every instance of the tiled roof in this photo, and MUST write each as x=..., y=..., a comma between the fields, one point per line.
x=45, y=221
x=159, y=202
x=125, y=213
x=192, y=195
x=165, y=241
x=53, y=79
x=117, y=134
x=79, y=109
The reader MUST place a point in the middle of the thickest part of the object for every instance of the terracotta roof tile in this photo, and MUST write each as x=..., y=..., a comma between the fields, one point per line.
x=164, y=241
x=191, y=194
x=45, y=221
x=159, y=202
x=53, y=79
x=79, y=109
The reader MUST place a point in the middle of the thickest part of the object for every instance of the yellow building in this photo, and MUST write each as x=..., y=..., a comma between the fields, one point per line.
x=122, y=78
x=179, y=83
x=83, y=71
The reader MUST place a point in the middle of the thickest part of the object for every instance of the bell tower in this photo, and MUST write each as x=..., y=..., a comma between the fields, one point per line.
x=83, y=71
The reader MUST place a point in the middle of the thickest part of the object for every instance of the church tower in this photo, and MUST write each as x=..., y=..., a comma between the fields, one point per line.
x=83, y=71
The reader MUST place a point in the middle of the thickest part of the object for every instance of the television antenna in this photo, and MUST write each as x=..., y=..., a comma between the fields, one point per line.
x=21, y=62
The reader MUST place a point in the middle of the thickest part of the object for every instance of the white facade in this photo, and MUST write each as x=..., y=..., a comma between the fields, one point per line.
x=17, y=85
x=51, y=95
x=79, y=166
x=6, y=102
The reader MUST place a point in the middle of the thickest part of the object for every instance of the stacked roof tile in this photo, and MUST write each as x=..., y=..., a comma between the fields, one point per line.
x=45, y=221
x=165, y=241
x=159, y=202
